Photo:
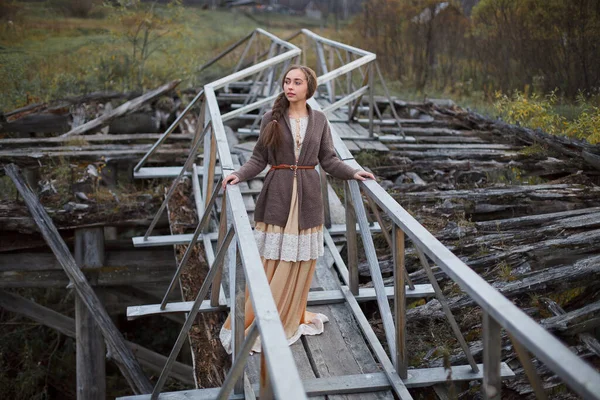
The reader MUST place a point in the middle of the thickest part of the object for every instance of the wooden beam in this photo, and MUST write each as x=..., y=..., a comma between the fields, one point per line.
x=492, y=352
x=105, y=276
x=347, y=384
x=314, y=298
x=401, y=356
x=65, y=325
x=126, y=361
x=130, y=260
x=90, y=350
x=586, y=338
x=123, y=109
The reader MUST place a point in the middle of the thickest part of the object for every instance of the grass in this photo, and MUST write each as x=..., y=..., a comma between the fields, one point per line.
x=45, y=56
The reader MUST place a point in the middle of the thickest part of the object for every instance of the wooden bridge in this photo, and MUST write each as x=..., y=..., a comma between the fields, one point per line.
x=348, y=360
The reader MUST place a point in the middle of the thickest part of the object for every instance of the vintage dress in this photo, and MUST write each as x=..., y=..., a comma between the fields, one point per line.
x=289, y=255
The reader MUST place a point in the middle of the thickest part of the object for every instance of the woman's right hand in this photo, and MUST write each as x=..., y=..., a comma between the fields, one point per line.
x=230, y=179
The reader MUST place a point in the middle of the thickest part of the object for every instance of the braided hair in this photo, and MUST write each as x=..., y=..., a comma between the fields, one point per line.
x=272, y=135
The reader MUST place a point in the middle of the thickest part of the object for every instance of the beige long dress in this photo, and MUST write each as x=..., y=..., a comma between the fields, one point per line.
x=289, y=256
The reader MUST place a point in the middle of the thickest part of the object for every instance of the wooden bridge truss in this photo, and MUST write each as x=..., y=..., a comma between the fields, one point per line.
x=234, y=236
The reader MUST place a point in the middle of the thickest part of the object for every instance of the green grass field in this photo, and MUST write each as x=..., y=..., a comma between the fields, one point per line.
x=45, y=55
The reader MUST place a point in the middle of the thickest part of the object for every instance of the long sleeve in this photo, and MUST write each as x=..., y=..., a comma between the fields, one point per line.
x=329, y=159
x=258, y=161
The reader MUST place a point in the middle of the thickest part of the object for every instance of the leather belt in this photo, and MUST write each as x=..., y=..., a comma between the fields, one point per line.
x=292, y=167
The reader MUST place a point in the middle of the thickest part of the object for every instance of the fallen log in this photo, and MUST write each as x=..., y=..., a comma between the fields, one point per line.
x=127, y=363
x=531, y=221
x=92, y=139
x=575, y=322
x=580, y=273
x=586, y=338
x=578, y=152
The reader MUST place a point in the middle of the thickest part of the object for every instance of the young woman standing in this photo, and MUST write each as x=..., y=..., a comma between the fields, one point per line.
x=289, y=217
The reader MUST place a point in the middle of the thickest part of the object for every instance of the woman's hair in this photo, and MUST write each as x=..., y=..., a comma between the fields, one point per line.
x=272, y=135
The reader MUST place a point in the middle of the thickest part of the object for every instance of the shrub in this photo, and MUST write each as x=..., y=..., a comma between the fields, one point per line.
x=539, y=112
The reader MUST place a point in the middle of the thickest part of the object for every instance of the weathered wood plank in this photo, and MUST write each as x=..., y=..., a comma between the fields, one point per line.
x=46, y=316
x=123, y=109
x=320, y=297
x=114, y=260
x=358, y=383
x=586, y=338
x=96, y=138
x=127, y=363
x=340, y=350
x=168, y=240
x=90, y=350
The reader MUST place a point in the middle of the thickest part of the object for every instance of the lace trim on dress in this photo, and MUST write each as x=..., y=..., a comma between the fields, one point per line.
x=289, y=247
x=314, y=327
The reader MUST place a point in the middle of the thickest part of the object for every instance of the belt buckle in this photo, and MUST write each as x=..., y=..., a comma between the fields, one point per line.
x=293, y=167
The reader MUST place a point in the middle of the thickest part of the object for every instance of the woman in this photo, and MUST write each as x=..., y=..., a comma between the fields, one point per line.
x=289, y=217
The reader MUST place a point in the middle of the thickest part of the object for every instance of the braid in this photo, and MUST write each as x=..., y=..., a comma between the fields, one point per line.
x=272, y=136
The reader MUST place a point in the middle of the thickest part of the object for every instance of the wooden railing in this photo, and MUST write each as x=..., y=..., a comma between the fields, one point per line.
x=498, y=312
x=235, y=234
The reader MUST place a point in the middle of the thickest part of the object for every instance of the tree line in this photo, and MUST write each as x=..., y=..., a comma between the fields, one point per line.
x=502, y=45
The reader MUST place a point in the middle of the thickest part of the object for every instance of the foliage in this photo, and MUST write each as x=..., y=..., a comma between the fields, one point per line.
x=503, y=45
x=539, y=113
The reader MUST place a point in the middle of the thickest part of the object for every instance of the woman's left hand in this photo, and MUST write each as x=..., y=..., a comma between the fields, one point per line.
x=363, y=175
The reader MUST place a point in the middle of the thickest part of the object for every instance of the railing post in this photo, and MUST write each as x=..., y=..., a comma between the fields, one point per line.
x=351, y=241
x=304, y=49
x=400, y=357
x=209, y=162
x=237, y=299
x=223, y=227
x=529, y=368
x=370, y=72
x=492, y=352
x=331, y=68
x=349, y=86
x=90, y=359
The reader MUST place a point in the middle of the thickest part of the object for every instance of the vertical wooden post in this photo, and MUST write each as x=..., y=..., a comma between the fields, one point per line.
x=492, y=349
x=529, y=368
x=331, y=68
x=351, y=241
x=223, y=228
x=304, y=49
x=325, y=195
x=349, y=85
x=90, y=353
x=208, y=149
x=208, y=178
x=237, y=299
x=371, y=73
x=400, y=357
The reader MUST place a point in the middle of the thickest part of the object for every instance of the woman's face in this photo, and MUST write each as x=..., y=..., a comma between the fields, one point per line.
x=295, y=86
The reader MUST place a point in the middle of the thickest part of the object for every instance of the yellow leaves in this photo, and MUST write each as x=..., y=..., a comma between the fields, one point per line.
x=539, y=113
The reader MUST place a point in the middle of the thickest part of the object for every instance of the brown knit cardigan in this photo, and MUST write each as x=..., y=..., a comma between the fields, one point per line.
x=273, y=203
